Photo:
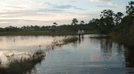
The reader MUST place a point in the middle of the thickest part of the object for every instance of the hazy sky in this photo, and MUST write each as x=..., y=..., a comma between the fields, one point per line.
x=45, y=12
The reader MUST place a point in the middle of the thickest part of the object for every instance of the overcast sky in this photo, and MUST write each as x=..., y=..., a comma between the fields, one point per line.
x=45, y=12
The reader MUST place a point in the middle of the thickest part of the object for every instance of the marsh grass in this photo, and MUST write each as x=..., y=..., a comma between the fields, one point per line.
x=26, y=65
x=23, y=65
x=65, y=41
x=70, y=39
x=126, y=39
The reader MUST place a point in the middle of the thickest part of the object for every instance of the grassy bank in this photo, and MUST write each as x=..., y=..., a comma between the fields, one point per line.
x=126, y=39
x=44, y=33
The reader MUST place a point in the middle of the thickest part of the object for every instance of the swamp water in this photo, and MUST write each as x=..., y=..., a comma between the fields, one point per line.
x=86, y=56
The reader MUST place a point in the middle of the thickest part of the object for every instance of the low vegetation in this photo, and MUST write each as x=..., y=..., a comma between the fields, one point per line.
x=56, y=33
x=70, y=39
x=62, y=42
x=23, y=65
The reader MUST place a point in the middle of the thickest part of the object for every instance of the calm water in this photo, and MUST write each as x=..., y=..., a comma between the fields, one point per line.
x=86, y=56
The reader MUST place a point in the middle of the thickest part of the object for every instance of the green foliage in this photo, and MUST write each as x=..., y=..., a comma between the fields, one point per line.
x=124, y=31
x=108, y=20
x=130, y=8
x=118, y=17
x=74, y=21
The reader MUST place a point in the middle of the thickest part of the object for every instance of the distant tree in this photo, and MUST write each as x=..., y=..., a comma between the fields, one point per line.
x=118, y=17
x=94, y=24
x=35, y=28
x=124, y=31
x=107, y=19
x=23, y=27
x=106, y=13
x=54, y=26
x=130, y=8
x=74, y=21
x=11, y=28
x=2, y=29
x=32, y=27
x=55, y=23
x=82, y=22
x=128, y=21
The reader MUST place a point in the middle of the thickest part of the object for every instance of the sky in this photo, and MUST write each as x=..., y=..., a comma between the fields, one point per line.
x=45, y=12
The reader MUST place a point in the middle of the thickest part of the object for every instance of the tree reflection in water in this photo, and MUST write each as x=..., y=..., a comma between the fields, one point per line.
x=108, y=47
x=129, y=57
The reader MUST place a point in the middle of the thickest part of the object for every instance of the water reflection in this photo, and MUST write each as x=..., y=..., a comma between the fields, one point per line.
x=79, y=40
x=25, y=42
x=87, y=55
x=110, y=49
x=82, y=38
x=129, y=57
x=106, y=45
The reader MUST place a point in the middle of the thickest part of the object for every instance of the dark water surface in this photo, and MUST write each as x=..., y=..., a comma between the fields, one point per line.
x=86, y=56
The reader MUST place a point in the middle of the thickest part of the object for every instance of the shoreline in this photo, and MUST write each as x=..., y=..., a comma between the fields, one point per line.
x=57, y=33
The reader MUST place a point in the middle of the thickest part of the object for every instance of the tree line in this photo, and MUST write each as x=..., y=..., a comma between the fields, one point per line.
x=108, y=22
x=124, y=31
x=119, y=26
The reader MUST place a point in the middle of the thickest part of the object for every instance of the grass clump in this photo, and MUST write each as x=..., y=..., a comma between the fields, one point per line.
x=65, y=41
x=70, y=39
x=62, y=42
x=23, y=65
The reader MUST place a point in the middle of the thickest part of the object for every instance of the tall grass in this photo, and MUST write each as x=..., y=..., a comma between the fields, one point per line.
x=62, y=42
x=126, y=39
x=23, y=65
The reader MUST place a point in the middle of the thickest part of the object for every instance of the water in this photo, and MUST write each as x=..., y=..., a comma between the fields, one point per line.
x=86, y=56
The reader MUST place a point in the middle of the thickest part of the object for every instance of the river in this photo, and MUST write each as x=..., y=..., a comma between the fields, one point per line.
x=86, y=56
